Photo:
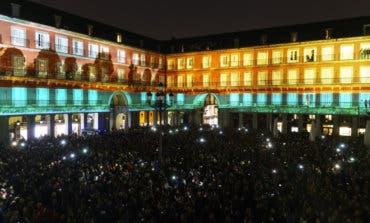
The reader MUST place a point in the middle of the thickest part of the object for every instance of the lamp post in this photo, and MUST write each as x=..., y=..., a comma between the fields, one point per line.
x=161, y=106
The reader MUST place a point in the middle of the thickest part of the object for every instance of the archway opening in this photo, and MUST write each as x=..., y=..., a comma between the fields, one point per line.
x=210, y=111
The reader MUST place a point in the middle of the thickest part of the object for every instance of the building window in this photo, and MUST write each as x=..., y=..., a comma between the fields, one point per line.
x=310, y=54
x=42, y=40
x=61, y=44
x=60, y=69
x=120, y=75
x=247, y=59
x=189, y=80
x=160, y=63
x=104, y=52
x=121, y=56
x=92, y=73
x=346, y=52
x=309, y=76
x=169, y=81
x=327, y=75
x=234, y=60
x=327, y=53
x=346, y=74
x=345, y=100
x=292, y=99
x=277, y=77
x=119, y=38
x=135, y=59
x=170, y=64
x=365, y=74
x=224, y=60
x=180, y=63
x=190, y=63
x=326, y=99
x=93, y=50
x=262, y=78
x=42, y=67
x=234, y=79
x=308, y=99
x=277, y=57
x=180, y=81
x=18, y=36
x=143, y=60
x=276, y=98
x=223, y=80
x=262, y=58
x=206, y=62
x=292, y=76
x=247, y=78
x=261, y=99
x=293, y=55
x=205, y=80
x=78, y=47
x=365, y=51
x=247, y=99
x=19, y=65
x=152, y=62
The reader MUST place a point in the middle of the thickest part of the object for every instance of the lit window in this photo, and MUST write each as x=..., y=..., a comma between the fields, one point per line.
x=234, y=79
x=61, y=44
x=143, y=60
x=262, y=58
x=310, y=54
x=135, y=59
x=18, y=36
x=223, y=79
x=121, y=56
x=327, y=53
x=92, y=73
x=180, y=63
x=120, y=75
x=365, y=74
x=247, y=59
x=205, y=80
x=42, y=67
x=170, y=64
x=93, y=50
x=309, y=76
x=234, y=60
x=247, y=79
x=119, y=38
x=152, y=62
x=206, y=62
x=365, y=51
x=169, y=81
x=104, y=52
x=189, y=63
x=292, y=76
x=160, y=63
x=277, y=57
x=180, y=81
x=346, y=75
x=78, y=47
x=42, y=40
x=293, y=55
x=18, y=63
x=327, y=75
x=346, y=52
x=262, y=78
x=277, y=77
x=189, y=80
x=224, y=60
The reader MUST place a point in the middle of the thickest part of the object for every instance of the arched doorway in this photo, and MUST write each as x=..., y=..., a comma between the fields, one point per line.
x=119, y=111
x=210, y=111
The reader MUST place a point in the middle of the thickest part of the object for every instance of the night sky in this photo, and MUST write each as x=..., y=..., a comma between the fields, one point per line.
x=164, y=19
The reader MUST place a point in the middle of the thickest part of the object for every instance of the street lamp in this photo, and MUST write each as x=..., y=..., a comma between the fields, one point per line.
x=160, y=104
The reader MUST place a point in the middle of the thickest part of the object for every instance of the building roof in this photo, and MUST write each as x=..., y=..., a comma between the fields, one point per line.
x=350, y=27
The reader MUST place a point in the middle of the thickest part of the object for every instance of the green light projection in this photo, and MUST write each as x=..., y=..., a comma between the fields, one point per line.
x=19, y=96
x=292, y=99
x=61, y=97
x=234, y=99
x=93, y=97
x=276, y=98
x=78, y=96
x=247, y=99
x=345, y=100
x=326, y=99
x=42, y=96
x=261, y=99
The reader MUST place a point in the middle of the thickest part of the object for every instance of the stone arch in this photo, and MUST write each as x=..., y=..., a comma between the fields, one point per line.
x=201, y=99
x=120, y=99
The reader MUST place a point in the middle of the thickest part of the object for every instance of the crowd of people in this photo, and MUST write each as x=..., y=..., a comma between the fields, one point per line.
x=184, y=174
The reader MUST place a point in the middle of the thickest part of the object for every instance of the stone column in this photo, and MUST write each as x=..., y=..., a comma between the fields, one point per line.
x=225, y=115
x=301, y=128
x=68, y=123
x=335, y=125
x=30, y=127
x=241, y=121
x=284, y=128
x=269, y=122
x=367, y=134
x=355, y=126
x=255, y=121
x=50, y=120
x=4, y=133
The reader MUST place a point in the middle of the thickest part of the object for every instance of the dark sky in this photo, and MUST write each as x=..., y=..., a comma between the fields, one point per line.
x=163, y=19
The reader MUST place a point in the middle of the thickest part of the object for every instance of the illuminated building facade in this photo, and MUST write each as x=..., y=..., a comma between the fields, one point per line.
x=60, y=74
